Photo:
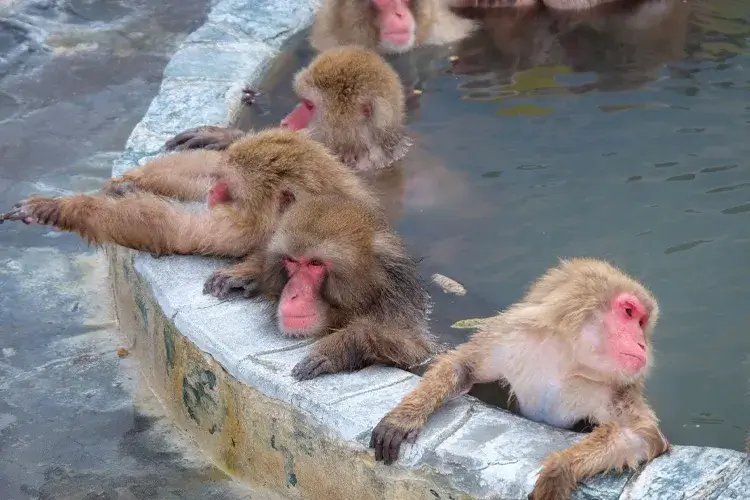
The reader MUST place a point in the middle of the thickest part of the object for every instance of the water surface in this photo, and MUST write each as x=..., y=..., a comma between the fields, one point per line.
x=622, y=136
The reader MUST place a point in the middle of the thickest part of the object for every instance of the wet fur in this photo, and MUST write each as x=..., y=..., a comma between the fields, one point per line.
x=543, y=332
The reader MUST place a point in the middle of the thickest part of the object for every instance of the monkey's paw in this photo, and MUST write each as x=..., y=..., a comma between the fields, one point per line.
x=206, y=137
x=555, y=481
x=45, y=211
x=387, y=438
x=249, y=95
x=312, y=366
x=220, y=285
x=117, y=188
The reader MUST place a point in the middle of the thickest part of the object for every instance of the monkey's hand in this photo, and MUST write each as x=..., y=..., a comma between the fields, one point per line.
x=312, y=366
x=222, y=283
x=555, y=481
x=206, y=137
x=38, y=209
x=119, y=187
x=249, y=95
x=388, y=435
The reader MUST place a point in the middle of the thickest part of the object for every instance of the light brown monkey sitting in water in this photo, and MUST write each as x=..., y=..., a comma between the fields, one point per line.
x=387, y=26
x=577, y=347
x=353, y=102
x=333, y=267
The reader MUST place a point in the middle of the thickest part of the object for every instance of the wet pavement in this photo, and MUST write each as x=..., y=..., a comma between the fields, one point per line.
x=75, y=421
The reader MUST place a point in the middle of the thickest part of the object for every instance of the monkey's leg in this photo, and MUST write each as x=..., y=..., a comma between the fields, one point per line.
x=608, y=446
x=142, y=222
x=187, y=176
x=360, y=344
x=241, y=276
x=206, y=137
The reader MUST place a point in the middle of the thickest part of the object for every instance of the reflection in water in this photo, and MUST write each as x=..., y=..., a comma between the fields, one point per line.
x=621, y=135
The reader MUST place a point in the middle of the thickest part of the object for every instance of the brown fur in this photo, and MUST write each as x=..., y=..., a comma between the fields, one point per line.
x=353, y=22
x=340, y=81
x=547, y=327
x=262, y=170
x=377, y=306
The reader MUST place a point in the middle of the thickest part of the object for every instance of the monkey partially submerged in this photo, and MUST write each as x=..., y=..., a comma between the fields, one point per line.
x=351, y=100
x=387, y=26
x=577, y=347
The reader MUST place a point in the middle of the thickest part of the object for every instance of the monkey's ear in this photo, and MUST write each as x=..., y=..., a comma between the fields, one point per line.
x=367, y=109
x=286, y=198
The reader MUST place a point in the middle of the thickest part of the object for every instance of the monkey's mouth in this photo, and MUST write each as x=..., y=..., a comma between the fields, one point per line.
x=298, y=322
x=400, y=37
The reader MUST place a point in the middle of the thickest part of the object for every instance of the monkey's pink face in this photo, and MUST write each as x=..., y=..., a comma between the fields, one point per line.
x=301, y=311
x=300, y=117
x=624, y=325
x=396, y=23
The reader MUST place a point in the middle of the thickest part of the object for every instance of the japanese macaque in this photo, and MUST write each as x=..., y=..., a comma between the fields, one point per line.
x=335, y=268
x=247, y=188
x=353, y=102
x=562, y=5
x=577, y=347
x=387, y=26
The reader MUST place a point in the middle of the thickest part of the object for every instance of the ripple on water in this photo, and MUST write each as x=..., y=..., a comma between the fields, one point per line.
x=685, y=246
x=8, y=106
x=683, y=177
x=739, y=209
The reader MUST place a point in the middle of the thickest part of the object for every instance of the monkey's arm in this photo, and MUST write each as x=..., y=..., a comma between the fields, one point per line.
x=240, y=276
x=362, y=343
x=453, y=373
x=187, y=176
x=206, y=137
x=142, y=222
x=627, y=441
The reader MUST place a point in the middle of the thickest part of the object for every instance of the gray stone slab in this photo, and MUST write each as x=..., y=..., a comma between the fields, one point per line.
x=229, y=62
x=687, y=472
x=269, y=21
x=145, y=141
x=183, y=104
x=738, y=486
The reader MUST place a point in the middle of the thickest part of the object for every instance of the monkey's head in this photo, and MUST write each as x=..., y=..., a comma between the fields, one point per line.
x=349, y=95
x=320, y=264
x=395, y=23
x=608, y=316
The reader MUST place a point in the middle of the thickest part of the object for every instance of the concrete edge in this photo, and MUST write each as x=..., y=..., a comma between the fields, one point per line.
x=223, y=370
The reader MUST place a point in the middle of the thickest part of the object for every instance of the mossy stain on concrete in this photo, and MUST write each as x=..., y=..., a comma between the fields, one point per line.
x=169, y=333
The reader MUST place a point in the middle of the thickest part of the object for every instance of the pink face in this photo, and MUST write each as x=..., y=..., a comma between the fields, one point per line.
x=219, y=193
x=624, y=324
x=300, y=116
x=301, y=311
x=396, y=23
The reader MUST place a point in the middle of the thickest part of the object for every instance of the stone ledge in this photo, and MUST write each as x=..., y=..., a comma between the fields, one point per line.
x=223, y=370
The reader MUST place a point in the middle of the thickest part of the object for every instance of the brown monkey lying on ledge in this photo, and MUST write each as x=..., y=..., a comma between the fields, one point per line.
x=578, y=346
x=331, y=264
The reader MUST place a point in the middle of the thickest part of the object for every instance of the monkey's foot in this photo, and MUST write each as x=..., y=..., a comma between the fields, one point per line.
x=312, y=366
x=205, y=137
x=387, y=438
x=220, y=285
x=45, y=211
x=555, y=481
x=249, y=95
x=117, y=188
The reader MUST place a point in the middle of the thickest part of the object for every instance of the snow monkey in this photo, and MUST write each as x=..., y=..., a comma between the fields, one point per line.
x=387, y=26
x=577, y=347
x=351, y=100
x=334, y=267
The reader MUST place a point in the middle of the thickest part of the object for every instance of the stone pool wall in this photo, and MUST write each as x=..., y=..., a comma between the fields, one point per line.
x=223, y=371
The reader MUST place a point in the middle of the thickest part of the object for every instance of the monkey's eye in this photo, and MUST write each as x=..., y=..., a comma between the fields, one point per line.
x=308, y=104
x=316, y=263
x=286, y=260
x=629, y=312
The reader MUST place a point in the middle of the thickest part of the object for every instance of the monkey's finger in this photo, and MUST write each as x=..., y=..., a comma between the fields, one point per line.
x=200, y=142
x=183, y=136
x=388, y=452
x=412, y=436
